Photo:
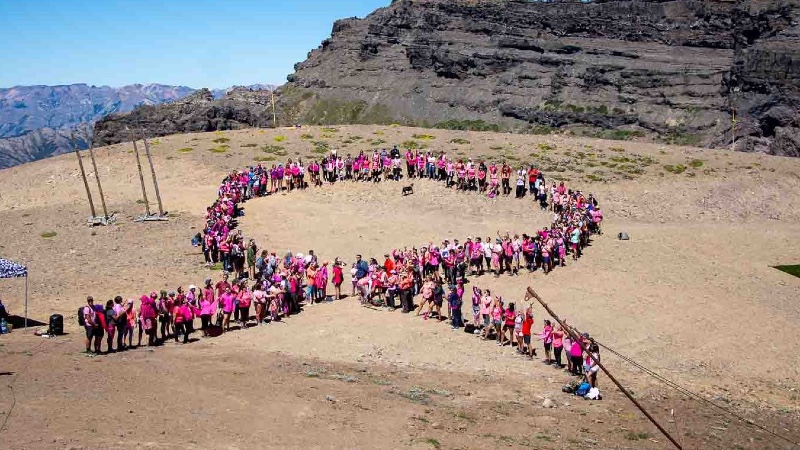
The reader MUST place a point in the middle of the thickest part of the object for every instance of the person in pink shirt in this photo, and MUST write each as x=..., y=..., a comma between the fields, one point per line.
x=321, y=282
x=259, y=300
x=245, y=299
x=207, y=309
x=338, y=278
x=182, y=314
x=147, y=317
x=226, y=301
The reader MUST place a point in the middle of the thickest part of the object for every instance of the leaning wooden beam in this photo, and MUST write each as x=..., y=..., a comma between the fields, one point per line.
x=96, y=173
x=83, y=175
x=141, y=175
x=153, y=172
x=572, y=334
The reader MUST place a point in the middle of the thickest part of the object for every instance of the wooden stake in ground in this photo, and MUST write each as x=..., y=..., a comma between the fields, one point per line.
x=96, y=173
x=141, y=175
x=575, y=338
x=83, y=174
x=153, y=172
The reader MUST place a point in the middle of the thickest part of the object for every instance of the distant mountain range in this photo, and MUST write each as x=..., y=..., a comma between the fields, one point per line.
x=36, y=121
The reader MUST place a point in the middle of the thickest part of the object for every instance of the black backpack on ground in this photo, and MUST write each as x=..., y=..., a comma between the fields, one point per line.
x=56, y=327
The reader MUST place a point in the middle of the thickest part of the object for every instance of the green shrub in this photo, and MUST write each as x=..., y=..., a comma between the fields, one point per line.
x=264, y=158
x=424, y=137
x=467, y=125
x=696, y=163
x=540, y=129
x=320, y=147
x=330, y=130
x=307, y=136
x=220, y=140
x=250, y=145
x=49, y=234
x=459, y=141
x=545, y=147
x=412, y=145
x=279, y=138
x=272, y=148
x=185, y=150
x=219, y=149
x=676, y=169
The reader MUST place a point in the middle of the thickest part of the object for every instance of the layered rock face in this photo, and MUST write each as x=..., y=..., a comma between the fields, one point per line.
x=765, y=78
x=239, y=108
x=676, y=70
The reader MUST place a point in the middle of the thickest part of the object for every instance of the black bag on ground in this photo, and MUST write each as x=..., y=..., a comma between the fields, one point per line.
x=469, y=328
x=56, y=325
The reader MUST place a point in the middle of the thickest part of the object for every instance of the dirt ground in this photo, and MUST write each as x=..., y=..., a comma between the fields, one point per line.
x=692, y=296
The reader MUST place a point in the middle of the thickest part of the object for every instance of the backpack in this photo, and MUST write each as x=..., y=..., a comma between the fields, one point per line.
x=81, y=318
x=583, y=389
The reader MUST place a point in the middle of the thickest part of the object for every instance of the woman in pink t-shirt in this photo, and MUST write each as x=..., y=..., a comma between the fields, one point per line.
x=226, y=301
x=245, y=299
x=558, y=345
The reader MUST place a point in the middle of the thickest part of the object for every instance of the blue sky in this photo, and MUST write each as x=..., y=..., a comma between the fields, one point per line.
x=198, y=43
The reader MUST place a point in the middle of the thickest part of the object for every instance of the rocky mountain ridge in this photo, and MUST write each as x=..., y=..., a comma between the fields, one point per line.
x=36, y=121
x=240, y=107
x=716, y=73
x=674, y=70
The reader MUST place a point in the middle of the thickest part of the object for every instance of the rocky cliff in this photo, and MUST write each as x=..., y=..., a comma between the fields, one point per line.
x=239, y=108
x=672, y=70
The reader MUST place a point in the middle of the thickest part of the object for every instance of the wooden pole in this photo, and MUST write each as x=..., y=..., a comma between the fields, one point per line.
x=83, y=175
x=274, y=116
x=96, y=174
x=573, y=335
x=153, y=172
x=141, y=175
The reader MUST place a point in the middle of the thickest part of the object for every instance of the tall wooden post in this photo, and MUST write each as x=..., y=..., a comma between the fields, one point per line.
x=575, y=338
x=274, y=116
x=153, y=172
x=141, y=175
x=83, y=174
x=96, y=173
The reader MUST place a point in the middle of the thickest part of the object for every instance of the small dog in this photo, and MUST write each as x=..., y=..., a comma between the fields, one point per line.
x=408, y=190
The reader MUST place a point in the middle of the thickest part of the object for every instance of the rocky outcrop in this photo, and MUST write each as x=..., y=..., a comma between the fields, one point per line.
x=764, y=83
x=238, y=108
x=675, y=70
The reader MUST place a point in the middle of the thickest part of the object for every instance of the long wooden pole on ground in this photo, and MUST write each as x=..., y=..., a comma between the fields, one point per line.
x=153, y=172
x=96, y=173
x=141, y=175
x=531, y=293
x=83, y=175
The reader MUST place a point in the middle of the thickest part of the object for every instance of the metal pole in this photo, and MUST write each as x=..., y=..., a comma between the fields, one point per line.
x=733, y=126
x=141, y=175
x=96, y=174
x=153, y=172
x=574, y=337
x=83, y=175
x=26, y=299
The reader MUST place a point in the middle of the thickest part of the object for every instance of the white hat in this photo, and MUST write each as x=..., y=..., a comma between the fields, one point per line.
x=299, y=255
x=191, y=286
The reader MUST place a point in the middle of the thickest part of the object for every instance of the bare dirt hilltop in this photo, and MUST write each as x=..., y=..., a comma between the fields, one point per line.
x=692, y=296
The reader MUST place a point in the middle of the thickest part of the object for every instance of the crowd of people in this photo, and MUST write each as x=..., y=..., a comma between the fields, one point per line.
x=276, y=286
